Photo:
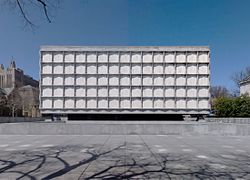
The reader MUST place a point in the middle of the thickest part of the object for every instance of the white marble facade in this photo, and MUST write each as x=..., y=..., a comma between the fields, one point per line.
x=245, y=86
x=125, y=79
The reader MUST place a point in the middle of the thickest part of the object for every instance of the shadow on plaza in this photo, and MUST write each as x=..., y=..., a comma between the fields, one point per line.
x=133, y=167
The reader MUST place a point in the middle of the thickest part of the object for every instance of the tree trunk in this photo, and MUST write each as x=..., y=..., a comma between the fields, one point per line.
x=13, y=111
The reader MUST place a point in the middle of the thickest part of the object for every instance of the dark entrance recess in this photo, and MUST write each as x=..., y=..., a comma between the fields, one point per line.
x=128, y=117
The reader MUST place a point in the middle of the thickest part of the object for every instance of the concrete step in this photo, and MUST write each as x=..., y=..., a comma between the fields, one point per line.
x=126, y=128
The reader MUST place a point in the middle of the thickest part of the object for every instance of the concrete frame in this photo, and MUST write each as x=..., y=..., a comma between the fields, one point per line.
x=162, y=50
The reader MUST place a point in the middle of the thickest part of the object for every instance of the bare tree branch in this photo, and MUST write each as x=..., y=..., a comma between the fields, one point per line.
x=23, y=13
x=45, y=9
x=219, y=91
x=30, y=10
x=238, y=77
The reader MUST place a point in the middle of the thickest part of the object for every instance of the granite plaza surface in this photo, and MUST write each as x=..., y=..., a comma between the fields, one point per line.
x=124, y=157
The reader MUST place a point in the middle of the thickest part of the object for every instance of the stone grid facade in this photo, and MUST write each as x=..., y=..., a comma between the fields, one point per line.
x=174, y=80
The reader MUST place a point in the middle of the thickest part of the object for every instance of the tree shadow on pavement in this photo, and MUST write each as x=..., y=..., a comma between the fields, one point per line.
x=168, y=166
x=39, y=158
x=153, y=170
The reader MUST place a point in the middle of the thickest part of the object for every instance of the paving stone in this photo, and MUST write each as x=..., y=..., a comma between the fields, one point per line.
x=125, y=157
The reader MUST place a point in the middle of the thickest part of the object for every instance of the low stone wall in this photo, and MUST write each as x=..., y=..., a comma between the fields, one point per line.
x=19, y=119
x=115, y=128
x=230, y=120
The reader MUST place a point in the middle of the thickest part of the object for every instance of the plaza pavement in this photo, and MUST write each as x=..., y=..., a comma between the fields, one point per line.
x=124, y=157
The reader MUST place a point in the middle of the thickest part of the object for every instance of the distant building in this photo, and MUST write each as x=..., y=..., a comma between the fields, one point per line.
x=13, y=81
x=245, y=86
x=30, y=101
x=14, y=77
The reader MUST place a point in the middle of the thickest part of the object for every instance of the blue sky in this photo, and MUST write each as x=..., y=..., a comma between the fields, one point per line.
x=223, y=25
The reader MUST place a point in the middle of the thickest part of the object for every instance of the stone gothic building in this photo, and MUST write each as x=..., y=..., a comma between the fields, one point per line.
x=14, y=77
x=13, y=80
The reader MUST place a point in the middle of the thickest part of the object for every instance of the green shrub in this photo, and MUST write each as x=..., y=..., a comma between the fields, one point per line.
x=232, y=107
